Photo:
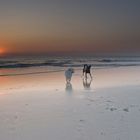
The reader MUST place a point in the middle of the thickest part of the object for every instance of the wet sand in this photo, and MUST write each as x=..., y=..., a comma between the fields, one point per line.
x=43, y=106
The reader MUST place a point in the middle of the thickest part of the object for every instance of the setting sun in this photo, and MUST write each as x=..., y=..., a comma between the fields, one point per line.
x=2, y=51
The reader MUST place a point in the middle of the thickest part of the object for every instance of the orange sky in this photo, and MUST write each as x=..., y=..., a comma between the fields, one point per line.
x=58, y=26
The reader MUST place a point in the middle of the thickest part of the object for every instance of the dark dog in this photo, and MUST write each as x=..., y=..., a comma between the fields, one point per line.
x=86, y=70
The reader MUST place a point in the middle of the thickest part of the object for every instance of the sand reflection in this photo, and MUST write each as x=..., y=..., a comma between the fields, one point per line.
x=87, y=83
x=69, y=88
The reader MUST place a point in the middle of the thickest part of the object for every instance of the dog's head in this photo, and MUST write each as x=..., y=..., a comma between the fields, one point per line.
x=85, y=65
x=71, y=70
x=89, y=66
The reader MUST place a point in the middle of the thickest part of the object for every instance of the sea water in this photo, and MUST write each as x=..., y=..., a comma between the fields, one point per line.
x=53, y=63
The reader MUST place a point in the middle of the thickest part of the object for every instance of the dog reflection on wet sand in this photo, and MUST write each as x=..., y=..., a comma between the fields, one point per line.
x=68, y=74
x=87, y=83
x=68, y=87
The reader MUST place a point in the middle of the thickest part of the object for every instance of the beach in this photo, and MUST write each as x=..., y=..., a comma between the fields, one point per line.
x=42, y=106
x=47, y=49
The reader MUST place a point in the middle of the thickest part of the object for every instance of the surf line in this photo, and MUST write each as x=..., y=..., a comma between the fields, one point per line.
x=33, y=73
x=29, y=73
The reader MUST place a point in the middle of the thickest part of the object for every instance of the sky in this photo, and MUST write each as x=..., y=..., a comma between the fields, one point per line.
x=69, y=27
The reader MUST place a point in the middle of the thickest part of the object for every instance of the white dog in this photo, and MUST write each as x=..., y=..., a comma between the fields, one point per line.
x=68, y=74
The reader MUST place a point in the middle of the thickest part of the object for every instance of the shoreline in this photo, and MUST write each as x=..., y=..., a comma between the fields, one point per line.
x=48, y=70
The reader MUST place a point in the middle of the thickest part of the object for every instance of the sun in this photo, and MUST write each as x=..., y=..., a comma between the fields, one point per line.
x=2, y=51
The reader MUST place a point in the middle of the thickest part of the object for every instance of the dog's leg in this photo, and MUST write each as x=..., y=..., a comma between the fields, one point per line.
x=67, y=80
x=86, y=75
x=90, y=75
x=83, y=74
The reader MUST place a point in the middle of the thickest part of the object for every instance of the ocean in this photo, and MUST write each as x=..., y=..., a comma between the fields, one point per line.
x=53, y=63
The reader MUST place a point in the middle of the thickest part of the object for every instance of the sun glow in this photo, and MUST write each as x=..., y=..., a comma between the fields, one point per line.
x=2, y=51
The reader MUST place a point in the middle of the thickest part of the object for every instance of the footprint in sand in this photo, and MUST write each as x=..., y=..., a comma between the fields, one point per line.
x=113, y=109
x=126, y=109
x=80, y=127
x=91, y=100
x=82, y=120
x=26, y=104
x=102, y=133
x=13, y=124
x=88, y=104
x=109, y=101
